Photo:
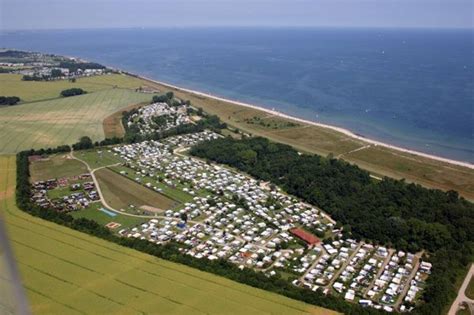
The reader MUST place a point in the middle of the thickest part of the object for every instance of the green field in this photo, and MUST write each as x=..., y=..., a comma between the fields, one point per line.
x=61, y=121
x=98, y=158
x=31, y=91
x=119, y=192
x=67, y=272
x=56, y=166
x=92, y=213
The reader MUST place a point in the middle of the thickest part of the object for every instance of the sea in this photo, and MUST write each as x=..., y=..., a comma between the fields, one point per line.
x=412, y=88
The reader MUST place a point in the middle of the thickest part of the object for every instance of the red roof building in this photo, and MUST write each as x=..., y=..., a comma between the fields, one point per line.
x=305, y=236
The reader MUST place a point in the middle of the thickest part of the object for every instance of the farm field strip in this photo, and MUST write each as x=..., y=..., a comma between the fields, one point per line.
x=65, y=271
x=33, y=91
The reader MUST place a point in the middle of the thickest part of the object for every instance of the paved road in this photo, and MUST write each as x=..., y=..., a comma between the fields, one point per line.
x=461, y=294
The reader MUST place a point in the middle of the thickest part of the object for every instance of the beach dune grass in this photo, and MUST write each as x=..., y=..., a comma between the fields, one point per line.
x=68, y=272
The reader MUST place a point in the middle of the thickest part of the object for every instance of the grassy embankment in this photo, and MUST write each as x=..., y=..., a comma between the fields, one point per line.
x=67, y=272
x=378, y=160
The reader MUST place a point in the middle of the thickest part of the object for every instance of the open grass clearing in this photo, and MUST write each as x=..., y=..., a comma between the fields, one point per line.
x=92, y=213
x=32, y=91
x=98, y=157
x=120, y=192
x=62, y=121
x=67, y=272
x=56, y=166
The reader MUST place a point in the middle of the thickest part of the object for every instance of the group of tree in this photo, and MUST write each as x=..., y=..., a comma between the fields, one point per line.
x=167, y=98
x=83, y=144
x=74, y=66
x=35, y=77
x=9, y=100
x=72, y=92
x=391, y=212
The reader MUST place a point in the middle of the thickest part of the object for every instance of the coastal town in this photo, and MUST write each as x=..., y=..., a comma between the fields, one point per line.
x=221, y=213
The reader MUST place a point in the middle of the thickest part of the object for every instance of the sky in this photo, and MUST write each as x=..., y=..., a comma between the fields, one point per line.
x=80, y=14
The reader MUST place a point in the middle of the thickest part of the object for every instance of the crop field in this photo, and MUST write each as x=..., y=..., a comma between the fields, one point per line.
x=56, y=166
x=32, y=91
x=313, y=139
x=67, y=272
x=120, y=191
x=61, y=121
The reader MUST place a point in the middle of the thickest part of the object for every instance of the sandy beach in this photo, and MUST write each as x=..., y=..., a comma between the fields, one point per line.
x=338, y=129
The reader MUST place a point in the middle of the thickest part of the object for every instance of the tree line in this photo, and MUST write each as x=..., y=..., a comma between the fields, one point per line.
x=390, y=212
x=74, y=66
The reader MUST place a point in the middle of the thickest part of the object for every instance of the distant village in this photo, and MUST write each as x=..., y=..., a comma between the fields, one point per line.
x=45, y=67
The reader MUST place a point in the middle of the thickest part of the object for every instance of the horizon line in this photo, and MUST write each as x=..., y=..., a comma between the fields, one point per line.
x=238, y=26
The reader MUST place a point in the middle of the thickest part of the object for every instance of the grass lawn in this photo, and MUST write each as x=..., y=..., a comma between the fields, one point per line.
x=313, y=139
x=56, y=166
x=32, y=91
x=470, y=289
x=98, y=158
x=119, y=192
x=68, y=272
x=100, y=217
x=61, y=121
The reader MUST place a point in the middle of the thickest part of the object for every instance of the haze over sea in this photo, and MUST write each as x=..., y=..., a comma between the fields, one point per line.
x=409, y=87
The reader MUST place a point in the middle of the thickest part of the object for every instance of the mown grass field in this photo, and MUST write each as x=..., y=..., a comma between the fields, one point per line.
x=31, y=91
x=61, y=121
x=67, y=272
x=307, y=138
x=119, y=192
x=56, y=166
x=100, y=217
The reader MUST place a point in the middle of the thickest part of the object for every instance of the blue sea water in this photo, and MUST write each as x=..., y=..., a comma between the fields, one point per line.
x=409, y=87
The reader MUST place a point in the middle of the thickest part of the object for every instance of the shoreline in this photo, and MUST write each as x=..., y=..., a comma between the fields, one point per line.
x=313, y=123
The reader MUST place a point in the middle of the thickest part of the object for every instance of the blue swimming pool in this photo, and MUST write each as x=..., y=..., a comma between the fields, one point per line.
x=108, y=212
